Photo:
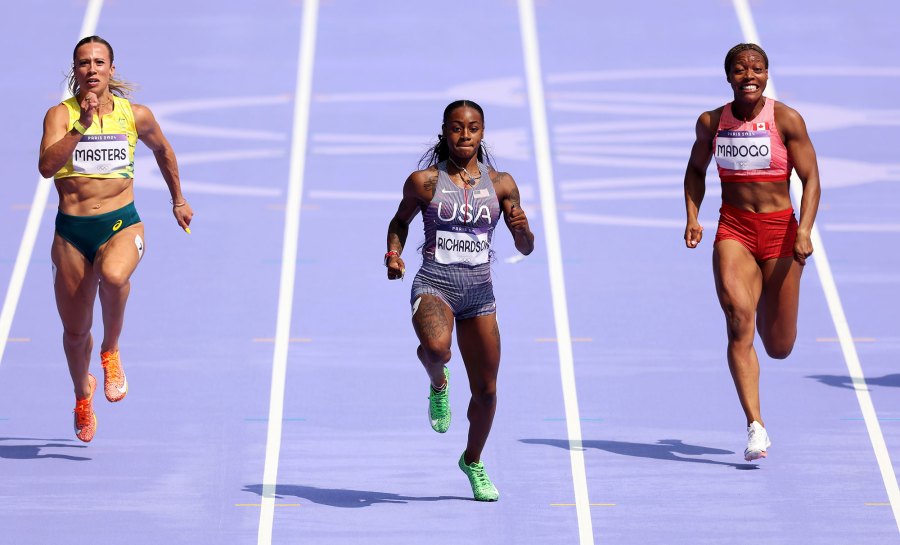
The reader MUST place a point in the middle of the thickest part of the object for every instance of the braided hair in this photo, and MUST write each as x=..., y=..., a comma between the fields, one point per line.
x=739, y=48
x=441, y=152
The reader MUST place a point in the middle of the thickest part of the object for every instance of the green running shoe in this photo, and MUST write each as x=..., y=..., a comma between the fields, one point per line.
x=439, y=406
x=482, y=487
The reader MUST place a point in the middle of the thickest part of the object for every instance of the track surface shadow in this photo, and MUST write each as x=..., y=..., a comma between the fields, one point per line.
x=34, y=452
x=843, y=381
x=341, y=497
x=664, y=449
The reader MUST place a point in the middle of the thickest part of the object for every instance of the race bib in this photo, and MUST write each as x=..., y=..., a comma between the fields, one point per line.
x=461, y=247
x=743, y=150
x=101, y=154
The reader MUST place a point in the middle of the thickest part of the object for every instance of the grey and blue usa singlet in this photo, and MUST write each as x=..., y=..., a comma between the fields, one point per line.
x=456, y=265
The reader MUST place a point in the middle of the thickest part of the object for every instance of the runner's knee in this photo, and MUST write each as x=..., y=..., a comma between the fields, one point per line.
x=76, y=335
x=115, y=275
x=780, y=348
x=739, y=322
x=485, y=394
x=436, y=352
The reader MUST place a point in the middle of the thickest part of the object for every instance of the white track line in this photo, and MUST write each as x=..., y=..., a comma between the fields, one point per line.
x=541, y=135
x=848, y=347
x=288, y=266
x=38, y=205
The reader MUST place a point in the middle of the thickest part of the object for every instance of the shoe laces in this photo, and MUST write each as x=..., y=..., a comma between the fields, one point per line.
x=756, y=435
x=479, y=475
x=83, y=412
x=438, y=409
x=112, y=367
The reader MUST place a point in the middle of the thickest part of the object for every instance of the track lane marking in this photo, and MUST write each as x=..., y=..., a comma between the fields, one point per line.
x=544, y=163
x=300, y=135
x=848, y=347
x=36, y=211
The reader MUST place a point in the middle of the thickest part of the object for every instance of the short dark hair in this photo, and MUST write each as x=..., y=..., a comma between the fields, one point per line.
x=739, y=48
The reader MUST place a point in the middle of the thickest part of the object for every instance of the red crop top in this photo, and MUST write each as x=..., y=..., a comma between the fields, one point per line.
x=751, y=151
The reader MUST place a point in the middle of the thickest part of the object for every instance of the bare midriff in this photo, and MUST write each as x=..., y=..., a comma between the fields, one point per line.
x=759, y=197
x=91, y=196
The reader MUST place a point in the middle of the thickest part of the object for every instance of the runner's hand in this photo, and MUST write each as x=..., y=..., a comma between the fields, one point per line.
x=90, y=105
x=517, y=219
x=803, y=247
x=693, y=234
x=183, y=215
x=395, y=268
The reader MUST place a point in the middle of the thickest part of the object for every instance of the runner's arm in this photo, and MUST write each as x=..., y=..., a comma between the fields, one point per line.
x=695, y=179
x=152, y=136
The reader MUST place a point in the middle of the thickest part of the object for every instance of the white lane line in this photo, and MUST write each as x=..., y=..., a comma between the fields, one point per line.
x=38, y=205
x=823, y=267
x=541, y=135
x=300, y=135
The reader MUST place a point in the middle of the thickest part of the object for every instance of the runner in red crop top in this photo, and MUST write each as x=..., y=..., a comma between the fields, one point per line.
x=760, y=248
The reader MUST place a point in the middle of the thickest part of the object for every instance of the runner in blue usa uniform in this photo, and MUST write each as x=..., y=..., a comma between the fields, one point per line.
x=461, y=199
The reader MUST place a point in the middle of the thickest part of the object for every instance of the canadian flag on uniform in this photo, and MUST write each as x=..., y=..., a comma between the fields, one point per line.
x=761, y=126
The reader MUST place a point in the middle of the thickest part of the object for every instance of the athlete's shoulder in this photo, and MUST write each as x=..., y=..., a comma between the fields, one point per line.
x=708, y=122
x=500, y=177
x=71, y=102
x=58, y=109
x=139, y=110
x=421, y=177
x=783, y=110
x=789, y=121
x=57, y=114
x=422, y=183
x=504, y=184
x=713, y=116
x=68, y=105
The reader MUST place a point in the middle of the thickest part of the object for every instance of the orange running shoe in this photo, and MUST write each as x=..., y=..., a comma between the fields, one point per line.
x=85, y=419
x=114, y=382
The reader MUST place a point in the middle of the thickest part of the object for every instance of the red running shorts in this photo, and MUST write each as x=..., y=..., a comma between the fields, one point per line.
x=767, y=235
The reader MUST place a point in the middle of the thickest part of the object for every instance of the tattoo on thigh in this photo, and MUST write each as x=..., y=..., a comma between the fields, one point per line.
x=432, y=321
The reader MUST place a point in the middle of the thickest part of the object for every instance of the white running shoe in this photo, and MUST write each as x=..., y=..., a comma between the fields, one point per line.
x=757, y=442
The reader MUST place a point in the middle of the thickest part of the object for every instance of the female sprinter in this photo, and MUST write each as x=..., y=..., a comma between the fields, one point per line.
x=88, y=148
x=460, y=199
x=760, y=250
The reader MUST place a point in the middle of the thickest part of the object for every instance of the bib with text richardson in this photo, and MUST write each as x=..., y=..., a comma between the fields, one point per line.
x=743, y=150
x=101, y=154
x=456, y=245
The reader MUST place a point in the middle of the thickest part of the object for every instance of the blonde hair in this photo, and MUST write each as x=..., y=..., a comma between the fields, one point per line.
x=117, y=87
